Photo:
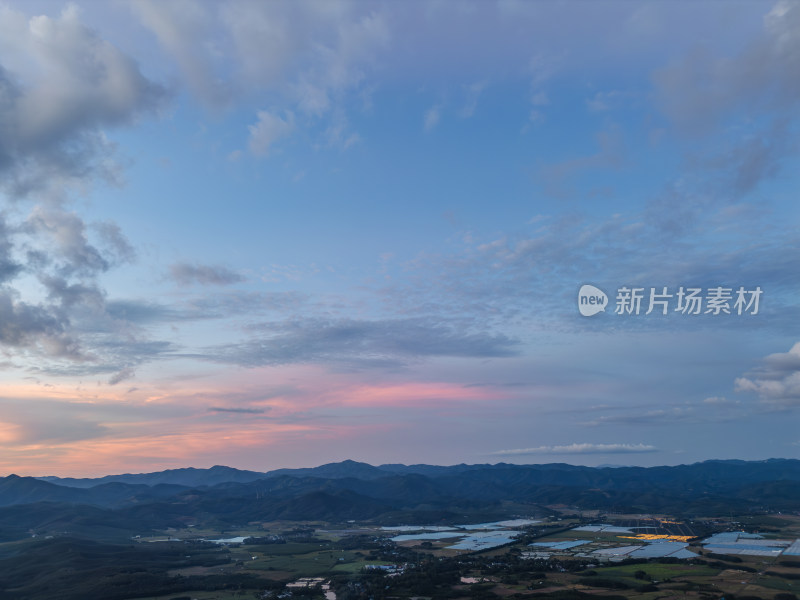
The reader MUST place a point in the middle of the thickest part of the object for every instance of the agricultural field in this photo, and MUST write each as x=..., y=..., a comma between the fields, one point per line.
x=546, y=558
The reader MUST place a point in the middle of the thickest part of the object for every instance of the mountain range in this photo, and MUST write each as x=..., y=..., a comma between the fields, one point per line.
x=226, y=497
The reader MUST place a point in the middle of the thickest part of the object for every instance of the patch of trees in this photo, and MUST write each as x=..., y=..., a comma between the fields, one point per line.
x=604, y=582
x=75, y=569
x=725, y=557
x=578, y=595
x=264, y=540
x=784, y=574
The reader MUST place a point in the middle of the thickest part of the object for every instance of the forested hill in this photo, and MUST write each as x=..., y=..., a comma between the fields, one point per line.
x=712, y=473
x=772, y=482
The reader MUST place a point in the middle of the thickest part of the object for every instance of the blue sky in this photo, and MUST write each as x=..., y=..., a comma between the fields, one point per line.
x=271, y=234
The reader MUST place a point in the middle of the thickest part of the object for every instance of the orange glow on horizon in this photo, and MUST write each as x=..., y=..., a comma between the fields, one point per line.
x=9, y=433
x=209, y=445
x=413, y=394
x=176, y=423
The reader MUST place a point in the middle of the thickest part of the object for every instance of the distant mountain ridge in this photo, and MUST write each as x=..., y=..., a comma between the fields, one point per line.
x=553, y=473
x=188, y=476
x=349, y=490
x=194, y=477
x=27, y=490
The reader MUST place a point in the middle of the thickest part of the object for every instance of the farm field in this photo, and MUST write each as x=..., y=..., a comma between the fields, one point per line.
x=551, y=557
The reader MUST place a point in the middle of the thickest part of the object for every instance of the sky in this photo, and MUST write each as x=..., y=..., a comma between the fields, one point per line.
x=272, y=234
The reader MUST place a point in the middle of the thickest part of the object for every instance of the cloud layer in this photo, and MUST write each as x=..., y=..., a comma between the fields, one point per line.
x=314, y=225
x=188, y=274
x=357, y=343
x=583, y=448
x=777, y=380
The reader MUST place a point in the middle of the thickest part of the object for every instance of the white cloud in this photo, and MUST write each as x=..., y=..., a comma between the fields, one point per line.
x=339, y=134
x=605, y=101
x=60, y=85
x=268, y=129
x=185, y=29
x=306, y=57
x=542, y=68
x=327, y=45
x=189, y=274
x=580, y=449
x=65, y=233
x=777, y=380
x=610, y=155
x=432, y=116
x=700, y=90
x=473, y=92
x=719, y=400
x=540, y=99
x=360, y=343
x=744, y=106
x=121, y=376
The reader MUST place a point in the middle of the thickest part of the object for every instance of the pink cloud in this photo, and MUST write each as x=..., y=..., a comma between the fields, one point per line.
x=413, y=394
x=262, y=419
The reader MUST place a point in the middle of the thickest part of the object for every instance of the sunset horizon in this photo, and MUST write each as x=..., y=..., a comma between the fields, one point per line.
x=284, y=234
